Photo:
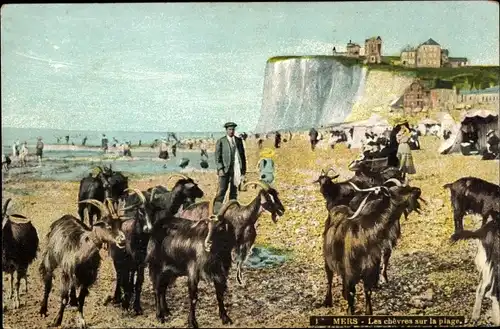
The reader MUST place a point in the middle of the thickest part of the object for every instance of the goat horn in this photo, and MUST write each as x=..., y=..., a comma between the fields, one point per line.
x=19, y=218
x=98, y=204
x=5, y=205
x=225, y=207
x=211, y=207
x=371, y=189
x=138, y=192
x=263, y=185
x=177, y=175
x=331, y=169
x=360, y=206
x=153, y=191
x=109, y=203
x=393, y=180
x=100, y=168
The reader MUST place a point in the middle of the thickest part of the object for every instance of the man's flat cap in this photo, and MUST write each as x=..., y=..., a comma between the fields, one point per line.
x=230, y=124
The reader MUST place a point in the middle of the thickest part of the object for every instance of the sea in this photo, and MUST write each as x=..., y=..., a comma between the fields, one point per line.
x=73, y=165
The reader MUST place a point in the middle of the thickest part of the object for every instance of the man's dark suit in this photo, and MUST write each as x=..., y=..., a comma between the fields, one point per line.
x=224, y=160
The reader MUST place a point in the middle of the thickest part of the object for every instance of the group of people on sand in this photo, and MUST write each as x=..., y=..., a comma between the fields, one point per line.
x=20, y=153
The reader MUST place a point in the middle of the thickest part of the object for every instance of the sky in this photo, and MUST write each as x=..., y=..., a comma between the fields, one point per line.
x=194, y=66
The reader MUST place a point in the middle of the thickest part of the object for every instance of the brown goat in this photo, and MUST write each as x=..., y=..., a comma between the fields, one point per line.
x=353, y=243
x=243, y=218
x=75, y=248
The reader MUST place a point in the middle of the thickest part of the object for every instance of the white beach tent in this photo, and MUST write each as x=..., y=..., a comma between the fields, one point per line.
x=376, y=123
x=483, y=120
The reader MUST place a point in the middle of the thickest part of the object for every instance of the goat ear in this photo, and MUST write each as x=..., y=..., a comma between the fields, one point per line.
x=18, y=216
x=335, y=176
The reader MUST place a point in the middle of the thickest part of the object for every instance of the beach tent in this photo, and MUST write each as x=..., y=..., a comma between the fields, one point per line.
x=375, y=123
x=483, y=120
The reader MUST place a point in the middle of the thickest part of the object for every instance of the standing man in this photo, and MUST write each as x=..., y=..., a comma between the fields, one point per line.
x=104, y=143
x=39, y=151
x=231, y=165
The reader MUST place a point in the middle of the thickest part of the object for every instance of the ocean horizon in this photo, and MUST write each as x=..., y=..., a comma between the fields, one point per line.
x=50, y=136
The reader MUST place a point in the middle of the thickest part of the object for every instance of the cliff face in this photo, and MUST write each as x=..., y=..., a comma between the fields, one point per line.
x=307, y=92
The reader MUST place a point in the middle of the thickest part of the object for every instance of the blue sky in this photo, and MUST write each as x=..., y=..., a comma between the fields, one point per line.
x=194, y=66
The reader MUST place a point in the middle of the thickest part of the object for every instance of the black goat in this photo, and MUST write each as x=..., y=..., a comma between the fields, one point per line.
x=353, y=243
x=341, y=193
x=19, y=248
x=158, y=205
x=473, y=195
x=107, y=184
x=130, y=260
x=243, y=218
x=488, y=265
x=179, y=249
x=75, y=247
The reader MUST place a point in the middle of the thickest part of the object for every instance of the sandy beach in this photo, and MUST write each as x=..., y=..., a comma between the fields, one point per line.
x=424, y=266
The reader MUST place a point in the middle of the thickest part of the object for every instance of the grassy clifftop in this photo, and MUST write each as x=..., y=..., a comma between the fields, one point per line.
x=468, y=77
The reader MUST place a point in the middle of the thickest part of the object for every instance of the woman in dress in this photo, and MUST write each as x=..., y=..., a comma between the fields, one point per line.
x=404, y=152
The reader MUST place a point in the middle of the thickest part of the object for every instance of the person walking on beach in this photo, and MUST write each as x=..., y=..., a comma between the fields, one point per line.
x=203, y=148
x=39, y=151
x=164, y=151
x=67, y=139
x=104, y=143
x=231, y=161
x=404, y=152
x=277, y=140
x=23, y=154
x=84, y=141
x=313, y=137
x=174, y=149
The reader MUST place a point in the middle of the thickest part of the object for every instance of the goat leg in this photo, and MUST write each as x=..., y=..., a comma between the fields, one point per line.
x=220, y=289
x=11, y=285
x=73, y=301
x=138, y=289
x=160, y=311
x=117, y=298
x=193, y=298
x=65, y=287
x=480, y=292
x=48, y=287
x=495, y=311
x=127, y=287
x=385, y=264
x=329, y=278
x=349, y=293
x=81, y=301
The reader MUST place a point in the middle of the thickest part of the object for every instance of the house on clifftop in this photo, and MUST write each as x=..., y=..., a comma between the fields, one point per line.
x=430, y=54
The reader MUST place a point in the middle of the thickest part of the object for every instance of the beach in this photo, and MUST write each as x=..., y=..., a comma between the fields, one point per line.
x=427, y=275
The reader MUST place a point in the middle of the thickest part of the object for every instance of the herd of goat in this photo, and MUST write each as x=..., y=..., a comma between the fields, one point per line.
x=175, y=236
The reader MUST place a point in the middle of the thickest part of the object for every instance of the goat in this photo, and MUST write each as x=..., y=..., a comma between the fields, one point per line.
x=488, y=265
x=19, y=248
x=473, y=195
x=341, y=193
x=243, y=218
x=353, y=243
x=75, y=248
x=387, y=252
x=131, y=260
x=179, y=248
x=183, y=194
x=107, y=184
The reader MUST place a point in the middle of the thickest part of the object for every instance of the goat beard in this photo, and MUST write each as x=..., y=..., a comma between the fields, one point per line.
x=275, y=217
